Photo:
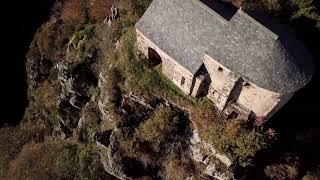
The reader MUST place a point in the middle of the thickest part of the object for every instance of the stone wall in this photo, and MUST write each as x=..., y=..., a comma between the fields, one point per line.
x=258, y=100
x=225, y=88
x=199, y=85
x=174, y=71
x=283, y=100
x=222, y=82
x=248, y=96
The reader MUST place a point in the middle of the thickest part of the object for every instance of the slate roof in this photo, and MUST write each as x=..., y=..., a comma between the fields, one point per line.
x=188, y=29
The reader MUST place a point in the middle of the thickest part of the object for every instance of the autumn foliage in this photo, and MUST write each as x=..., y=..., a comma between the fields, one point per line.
x=74, y=10
x=99, y=9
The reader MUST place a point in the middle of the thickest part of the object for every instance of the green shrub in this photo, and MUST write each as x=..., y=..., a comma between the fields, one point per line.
x=66, y=163
x=86, y=49
x=232, y=137
x=160, y=127
x=85, y=30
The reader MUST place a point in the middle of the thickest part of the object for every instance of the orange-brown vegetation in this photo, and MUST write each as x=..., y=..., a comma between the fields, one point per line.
x=74, y=10
x=99, y=9
x=33, y=162
x=14, y=138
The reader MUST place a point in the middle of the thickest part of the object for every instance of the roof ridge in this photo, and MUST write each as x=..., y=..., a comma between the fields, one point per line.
x=264, y=28
x=211, y=11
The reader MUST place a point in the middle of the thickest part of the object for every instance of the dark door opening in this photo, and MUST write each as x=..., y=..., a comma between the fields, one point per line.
x=154, y=57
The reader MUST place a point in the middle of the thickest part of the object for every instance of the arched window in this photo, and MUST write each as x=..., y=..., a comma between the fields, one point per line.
x=154, y=57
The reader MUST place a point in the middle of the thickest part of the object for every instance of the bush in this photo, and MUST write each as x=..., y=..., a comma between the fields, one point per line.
x=91, y=114
x=51, y=39
x=66, y=163
x=86, y=49
x=90, y=166
x=231, y=137
x=75, y=161
x=273, y=7
x=160, y=127
x=179, y=166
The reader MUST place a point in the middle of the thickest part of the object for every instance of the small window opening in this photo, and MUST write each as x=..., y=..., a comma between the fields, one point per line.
x=183, y=80
x=247, y=85
x=220, y=69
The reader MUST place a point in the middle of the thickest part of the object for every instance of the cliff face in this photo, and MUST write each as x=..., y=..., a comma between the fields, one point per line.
x=27, y=18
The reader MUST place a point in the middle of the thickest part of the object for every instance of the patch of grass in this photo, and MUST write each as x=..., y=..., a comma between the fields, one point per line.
x=141, y=78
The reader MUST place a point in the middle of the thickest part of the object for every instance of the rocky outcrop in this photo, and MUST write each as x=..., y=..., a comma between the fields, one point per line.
x=110, y=93
x=111, y=158
x=70, y=100
x=37, y=71
x=105, y=98
x=66, y=81
x=114, y=14
x=217, y=165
